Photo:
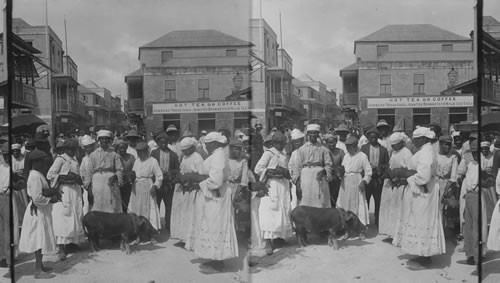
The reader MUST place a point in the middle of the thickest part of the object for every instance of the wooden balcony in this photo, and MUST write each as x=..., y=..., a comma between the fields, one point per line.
x=23, y=95
x=136, y=104
x=350, y=100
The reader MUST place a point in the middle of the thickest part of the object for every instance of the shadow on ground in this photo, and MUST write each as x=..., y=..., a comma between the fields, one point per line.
x=491, y=264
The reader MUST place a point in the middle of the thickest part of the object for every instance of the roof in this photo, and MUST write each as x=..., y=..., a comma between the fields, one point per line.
x=418, y=32
x=196, y=38
x=305, y=78
x=350, y=69
x=90, y=84
x=18, y=22
x=136, y=73
x=489, y=20
x=83, y=89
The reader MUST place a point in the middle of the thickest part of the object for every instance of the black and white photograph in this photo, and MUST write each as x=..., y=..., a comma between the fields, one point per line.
x=250, y=141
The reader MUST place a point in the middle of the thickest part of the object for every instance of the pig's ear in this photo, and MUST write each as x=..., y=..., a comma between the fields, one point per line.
x=349, y=216
x=142, y=222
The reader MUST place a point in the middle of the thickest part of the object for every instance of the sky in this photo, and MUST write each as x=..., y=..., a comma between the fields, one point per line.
x=104, y=36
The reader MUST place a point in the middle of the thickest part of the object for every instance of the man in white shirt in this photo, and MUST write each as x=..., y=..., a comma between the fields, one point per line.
x=342, y=132
x=132, y=138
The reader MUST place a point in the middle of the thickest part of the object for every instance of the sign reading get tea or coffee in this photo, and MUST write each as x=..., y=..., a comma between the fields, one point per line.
x=201, y=107
x=420, y=102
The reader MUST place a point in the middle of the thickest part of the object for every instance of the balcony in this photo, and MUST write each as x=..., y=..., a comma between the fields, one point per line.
x=23, y=95
x=350, y=100
x=136, y=104
x=286, y=100
x=490, y=93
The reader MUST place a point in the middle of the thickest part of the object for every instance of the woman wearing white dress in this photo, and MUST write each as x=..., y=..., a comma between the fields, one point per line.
x=216, y=237
x=393, y=200
x=352, y=188
x=37, y=234
x=274, y=209
x=423, y=234
x=64, y=174
x=493, y=242
x=186, y=204
x=143, y=195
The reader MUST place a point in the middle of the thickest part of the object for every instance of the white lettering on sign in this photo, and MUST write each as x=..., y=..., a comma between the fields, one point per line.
x=420, y=102
x=201, y=107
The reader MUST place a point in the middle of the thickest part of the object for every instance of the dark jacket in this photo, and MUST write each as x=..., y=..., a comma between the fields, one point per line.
x=173, y=167
x=383, y=161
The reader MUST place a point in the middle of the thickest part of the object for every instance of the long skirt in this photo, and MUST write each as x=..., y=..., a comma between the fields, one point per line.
x=37, y=232
x=178, y=214
x=216, y=237
x=405, y=197
x=390, y=203
x=314, y=193
x=143, y=203
x=4, y=227
x=493, y=241
x=274, y=210
x=106, y=198
x=67, y=216
x=352, y=199
x=488, y=199
x=423, y=235
x=196, y=201
x=254, y=217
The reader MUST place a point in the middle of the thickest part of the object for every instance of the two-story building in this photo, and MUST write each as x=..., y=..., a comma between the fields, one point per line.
x=490, y=47
x=401, y=72
x=58, y=101
x=194, y=79
x=275, y=102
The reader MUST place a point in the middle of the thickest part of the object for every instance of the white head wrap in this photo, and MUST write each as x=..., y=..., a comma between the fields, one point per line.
x=396, y=138
x=187, y=142
x=104, y=133
x=455, y=134
x=313, y=127
x=87, y=140
x=15, y=146
x=297, y=134
x=423, y=132
x=485, y=144
x=215, y=136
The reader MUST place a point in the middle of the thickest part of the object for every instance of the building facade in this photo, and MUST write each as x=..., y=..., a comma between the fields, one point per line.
x=275, y=101
x=401, y=72
x=58, y=100
x=194, y=79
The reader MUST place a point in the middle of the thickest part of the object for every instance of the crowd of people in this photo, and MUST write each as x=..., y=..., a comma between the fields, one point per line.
x=219, y=184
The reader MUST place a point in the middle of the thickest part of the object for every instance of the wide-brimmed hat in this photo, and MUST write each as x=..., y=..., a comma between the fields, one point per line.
x=351, y=140
x=445, y=139
x=171, y=128
x=37, y=154
x=382, y=123
x=71, y=143
x=132, y=134
x=341, y=128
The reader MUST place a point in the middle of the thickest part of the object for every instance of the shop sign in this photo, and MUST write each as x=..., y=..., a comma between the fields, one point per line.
x=420, y=102
x=201, y=107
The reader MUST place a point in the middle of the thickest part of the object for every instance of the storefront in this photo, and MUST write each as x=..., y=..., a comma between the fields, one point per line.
x=196, y=116
x=419, y=110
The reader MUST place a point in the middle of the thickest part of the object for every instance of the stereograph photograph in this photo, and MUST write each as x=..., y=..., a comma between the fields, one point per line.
x=249, y=141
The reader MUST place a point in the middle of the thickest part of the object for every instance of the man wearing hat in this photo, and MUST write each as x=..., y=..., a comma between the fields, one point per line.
x=342, y=131
x=379, y=160
x=152, y=144
x=469, y=211
x=447, y=164
x=424, y=234
x=105, y=172
x=297, y=140
x=312, y=170
x=170, y=167
x=384, y=130
x=65, y=175
x=132, y=138
x=173, y=139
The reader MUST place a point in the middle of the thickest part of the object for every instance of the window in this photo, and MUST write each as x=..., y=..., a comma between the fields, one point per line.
x=382, y=50
x=231, y=52
x=241, y=120
x=206, y=121
x=458, y=114
x=389, y=115
x=385, y=84
x=172, y=119
x=418, y=84
x=447, y=47
x=203, y=89
x=421, y=117
x=170, y=90
x=166, y=55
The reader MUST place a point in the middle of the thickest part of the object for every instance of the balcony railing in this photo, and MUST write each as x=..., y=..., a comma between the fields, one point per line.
x=491, y=91
x=136, y=104
x=350, y=100
x=286, y=100
x=23, y=95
